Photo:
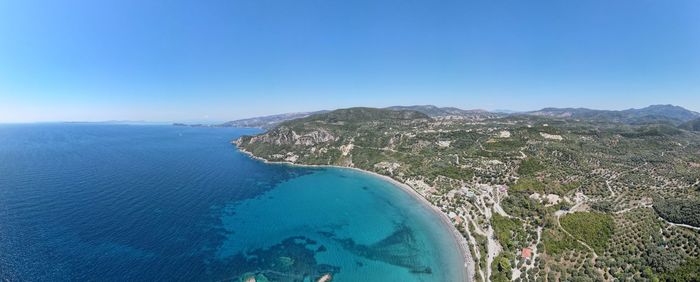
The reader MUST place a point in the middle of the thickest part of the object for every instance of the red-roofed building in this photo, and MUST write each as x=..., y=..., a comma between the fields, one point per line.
x=526, y=253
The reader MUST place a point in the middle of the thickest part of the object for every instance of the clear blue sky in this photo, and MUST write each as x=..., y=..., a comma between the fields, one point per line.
x=170, y=60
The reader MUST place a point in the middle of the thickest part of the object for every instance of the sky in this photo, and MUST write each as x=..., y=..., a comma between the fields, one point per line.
x=209, y=61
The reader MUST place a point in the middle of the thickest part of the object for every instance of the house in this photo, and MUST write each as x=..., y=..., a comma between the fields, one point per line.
x=469, y=194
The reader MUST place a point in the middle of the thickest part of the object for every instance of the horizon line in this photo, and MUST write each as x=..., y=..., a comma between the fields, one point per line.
x=214, y=122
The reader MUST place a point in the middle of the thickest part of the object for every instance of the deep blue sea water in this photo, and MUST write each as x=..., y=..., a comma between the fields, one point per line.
x=87, y=202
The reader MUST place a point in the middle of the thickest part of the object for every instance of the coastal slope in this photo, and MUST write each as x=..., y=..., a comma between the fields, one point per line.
x=519, y=188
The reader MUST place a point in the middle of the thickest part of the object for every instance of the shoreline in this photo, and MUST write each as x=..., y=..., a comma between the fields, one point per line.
x=463, y=245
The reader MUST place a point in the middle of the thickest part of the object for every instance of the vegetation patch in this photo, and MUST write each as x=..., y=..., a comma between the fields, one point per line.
x=367, y=157
x=504, y=145
x=520, y=205
x=565, y=188
x=507, y=230
x=603, y=206
x=450, y=171
x=529, y=184
x=529, y=167
x=501, y=269
x=556, y=243
x=690, y=271
x=544, y=186
x=684, y=211
x=593, y=228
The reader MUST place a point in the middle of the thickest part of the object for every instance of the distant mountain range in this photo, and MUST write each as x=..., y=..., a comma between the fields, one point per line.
x=652, y=114
x=668, y=114
x=127, y=122
x=434, y=111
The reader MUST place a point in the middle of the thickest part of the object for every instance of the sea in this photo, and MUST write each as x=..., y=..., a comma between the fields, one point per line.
x=102, y=202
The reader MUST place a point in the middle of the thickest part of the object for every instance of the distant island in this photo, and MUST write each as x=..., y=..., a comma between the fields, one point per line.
x=264, y=122
x=559, y=194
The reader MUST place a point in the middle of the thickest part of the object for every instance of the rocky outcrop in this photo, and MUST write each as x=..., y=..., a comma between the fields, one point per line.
x=287, y=136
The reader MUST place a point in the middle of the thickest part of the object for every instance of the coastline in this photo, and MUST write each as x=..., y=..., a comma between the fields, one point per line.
x=463, y=245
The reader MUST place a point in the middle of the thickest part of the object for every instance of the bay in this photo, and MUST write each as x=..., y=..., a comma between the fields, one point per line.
x=97, y=202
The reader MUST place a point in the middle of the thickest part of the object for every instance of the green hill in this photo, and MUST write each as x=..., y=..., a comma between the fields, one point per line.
x=361, y=114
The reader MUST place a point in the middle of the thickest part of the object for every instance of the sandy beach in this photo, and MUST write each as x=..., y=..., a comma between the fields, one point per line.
x=457, y=237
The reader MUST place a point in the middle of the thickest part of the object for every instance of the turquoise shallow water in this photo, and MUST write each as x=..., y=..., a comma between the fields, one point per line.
x=155, y=203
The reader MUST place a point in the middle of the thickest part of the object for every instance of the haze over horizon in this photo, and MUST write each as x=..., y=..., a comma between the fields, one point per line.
x=222, y=60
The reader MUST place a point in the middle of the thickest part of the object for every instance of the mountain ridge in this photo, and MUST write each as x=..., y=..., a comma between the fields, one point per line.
x=670, y=114
x=651, y=114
